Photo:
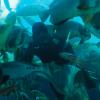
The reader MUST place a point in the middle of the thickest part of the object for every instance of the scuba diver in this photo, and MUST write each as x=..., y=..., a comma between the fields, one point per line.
x=48, y=48
x=43, y=45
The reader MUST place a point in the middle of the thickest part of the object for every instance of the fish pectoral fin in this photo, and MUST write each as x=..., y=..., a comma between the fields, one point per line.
x=68, y=56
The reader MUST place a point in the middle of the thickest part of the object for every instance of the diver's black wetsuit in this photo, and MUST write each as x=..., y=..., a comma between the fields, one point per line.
x=46, y=49
x=47, y=52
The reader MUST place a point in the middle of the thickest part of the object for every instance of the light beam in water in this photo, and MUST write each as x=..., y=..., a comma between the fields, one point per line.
x=4, y=10
x=13, y=3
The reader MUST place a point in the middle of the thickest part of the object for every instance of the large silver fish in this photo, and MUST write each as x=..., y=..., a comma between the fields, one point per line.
x=63, y=9
x=72, y=8
x=32, y=10
x=16, y=70
x=54, y=10
x=89, y=58
x=75, y=29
